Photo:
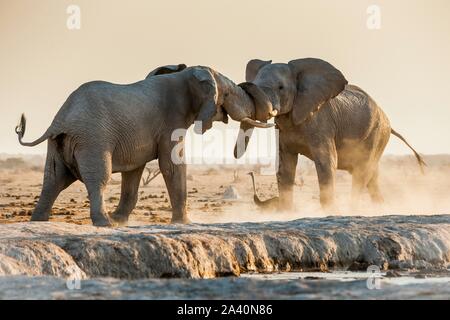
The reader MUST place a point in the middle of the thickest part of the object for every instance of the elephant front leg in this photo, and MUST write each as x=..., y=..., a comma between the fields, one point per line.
x=173, y=169
x=286, y=178
x=128, y=195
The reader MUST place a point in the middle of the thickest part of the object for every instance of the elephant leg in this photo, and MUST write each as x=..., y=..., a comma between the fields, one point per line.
x=95, y=170
x=174, y=173
x=360, y=180
x=128, y=195
x=57, y=177
x=286, y=178
x=326, y=166
x=374, y=188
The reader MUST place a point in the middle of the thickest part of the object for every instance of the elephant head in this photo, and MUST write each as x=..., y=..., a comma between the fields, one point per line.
x=216, y=97
x=298, y=88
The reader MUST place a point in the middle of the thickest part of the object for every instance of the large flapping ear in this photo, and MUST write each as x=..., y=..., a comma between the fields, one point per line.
x=253, y=66
x=207, y=94
x=166, y=69
x=317, y=82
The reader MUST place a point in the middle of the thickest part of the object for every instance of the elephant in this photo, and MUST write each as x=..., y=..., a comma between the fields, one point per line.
x=103, y=128
x=322, y=117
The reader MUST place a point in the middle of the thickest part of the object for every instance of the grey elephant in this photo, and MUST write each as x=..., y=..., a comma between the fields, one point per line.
x=104, y=128
x=320, y=116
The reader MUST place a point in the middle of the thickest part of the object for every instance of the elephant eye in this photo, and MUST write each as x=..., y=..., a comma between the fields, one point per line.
x=280, y=87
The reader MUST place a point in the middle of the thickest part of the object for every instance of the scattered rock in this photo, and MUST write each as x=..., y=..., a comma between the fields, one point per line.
x=230, y=193
x=393, y=274
x=358, y=266
x=113, y=198
x=22, y=213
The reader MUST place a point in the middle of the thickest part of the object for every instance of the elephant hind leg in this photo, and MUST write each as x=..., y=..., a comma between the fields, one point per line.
x=57, y=177
x=128, y=195
x=359, y=184
x=95, y=170
x=364, y=177
x=374, y=189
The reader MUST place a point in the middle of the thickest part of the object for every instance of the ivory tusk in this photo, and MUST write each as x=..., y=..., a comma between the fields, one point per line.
x=273, y=113
x=257, y=123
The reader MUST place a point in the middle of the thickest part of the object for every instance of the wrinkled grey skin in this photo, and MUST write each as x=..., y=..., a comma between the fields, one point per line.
x=104, y=128
x=336, y=125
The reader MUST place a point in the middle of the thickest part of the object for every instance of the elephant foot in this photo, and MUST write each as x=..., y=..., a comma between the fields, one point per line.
x=180, y=219
x=119, y=219
x=101, y=221
x=39, y=217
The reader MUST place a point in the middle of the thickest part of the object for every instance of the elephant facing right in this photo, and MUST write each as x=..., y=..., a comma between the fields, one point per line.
x=320, y=116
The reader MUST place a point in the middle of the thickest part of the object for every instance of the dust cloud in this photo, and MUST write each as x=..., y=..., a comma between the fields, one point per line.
x=406, y=192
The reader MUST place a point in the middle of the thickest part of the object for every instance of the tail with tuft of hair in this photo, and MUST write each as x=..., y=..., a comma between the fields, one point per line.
x=419, y=158
x=20, y=130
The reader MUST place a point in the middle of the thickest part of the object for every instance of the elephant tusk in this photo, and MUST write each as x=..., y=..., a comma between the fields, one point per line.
x=273, y=113
x=257, y=123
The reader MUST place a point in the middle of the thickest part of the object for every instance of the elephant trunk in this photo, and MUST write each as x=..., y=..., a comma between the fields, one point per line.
x=241, y=107
x=264, y=109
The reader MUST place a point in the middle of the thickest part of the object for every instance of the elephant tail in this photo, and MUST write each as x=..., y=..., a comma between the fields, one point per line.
x=419, y=158
x=20, y=130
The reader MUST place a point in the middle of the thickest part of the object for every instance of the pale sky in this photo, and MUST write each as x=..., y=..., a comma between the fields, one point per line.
x=404, y=66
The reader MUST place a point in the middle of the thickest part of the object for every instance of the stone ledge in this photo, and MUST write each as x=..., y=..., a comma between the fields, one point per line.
x=207, y=251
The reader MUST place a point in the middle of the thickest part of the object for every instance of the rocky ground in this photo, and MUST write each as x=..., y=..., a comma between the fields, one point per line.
x=65, y=261
x=212, y=250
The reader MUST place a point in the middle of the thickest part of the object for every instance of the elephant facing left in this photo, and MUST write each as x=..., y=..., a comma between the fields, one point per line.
x=104, y=128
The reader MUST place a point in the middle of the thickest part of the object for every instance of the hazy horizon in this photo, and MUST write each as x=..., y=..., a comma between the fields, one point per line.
x=404, y=65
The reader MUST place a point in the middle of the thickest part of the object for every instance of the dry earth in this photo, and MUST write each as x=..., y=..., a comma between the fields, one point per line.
x=406, y=191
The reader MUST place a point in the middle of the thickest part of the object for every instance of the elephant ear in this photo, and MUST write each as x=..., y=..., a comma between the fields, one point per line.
x=205, y=88
x=253, y=67
x=317, y=82
x=166, y=69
